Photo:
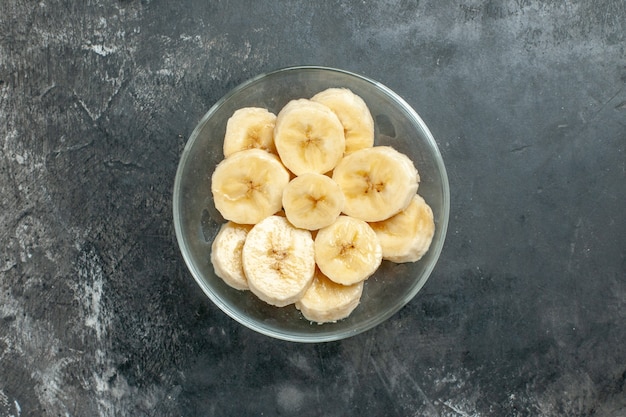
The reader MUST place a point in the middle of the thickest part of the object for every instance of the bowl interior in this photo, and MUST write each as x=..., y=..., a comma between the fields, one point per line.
x=197, y=221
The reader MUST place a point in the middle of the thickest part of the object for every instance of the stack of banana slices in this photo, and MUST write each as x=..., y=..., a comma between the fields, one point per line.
x=312, y=206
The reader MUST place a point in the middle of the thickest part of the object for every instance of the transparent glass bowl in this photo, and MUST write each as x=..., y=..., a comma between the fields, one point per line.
x=197, y=221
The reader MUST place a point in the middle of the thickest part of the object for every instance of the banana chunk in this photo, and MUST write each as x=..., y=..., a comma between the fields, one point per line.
x=248, y=186
x=326, y=301
x=377, y=182
x=347, y=251
x=248, y=128
x=278, y=260
x=312, y=201
x=406, y=236
x=309, y=137
x=226, y=254
x=355, y=116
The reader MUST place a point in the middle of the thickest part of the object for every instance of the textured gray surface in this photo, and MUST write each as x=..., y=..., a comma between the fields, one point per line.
x=523, y=316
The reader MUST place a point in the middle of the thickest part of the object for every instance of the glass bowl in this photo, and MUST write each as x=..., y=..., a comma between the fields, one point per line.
x=197, y=221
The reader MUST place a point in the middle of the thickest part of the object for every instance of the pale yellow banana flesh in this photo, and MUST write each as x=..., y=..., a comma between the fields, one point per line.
x=347, y=251
x=278, y=261
x=226, y=254
x=250, y=128
x=313, y=206
x=406, y=237
x=312, y=201
x=354, y=115
x=326, y=301
x=248, y=186
x=309, y=137
x=377, y=182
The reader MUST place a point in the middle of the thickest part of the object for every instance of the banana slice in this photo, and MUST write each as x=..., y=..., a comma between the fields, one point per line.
x=377, y=182
x=309, y=137
x=248, y=128
x=347, y=251
x=406, y=236
x=326, y=301
x=312, y=201
x=278, y=260
x=248, y=186
x=354, y=115
x=226, y=254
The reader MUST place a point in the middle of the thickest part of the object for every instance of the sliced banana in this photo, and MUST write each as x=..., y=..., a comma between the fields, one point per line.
x=377, y=182
x=312, y=201
x=406, y=236
x=313, y=207
x=309, y=137
x=326, y=301
x=347, y=251
x=226, y=254
x=354, y=115
x=248, y=186
x=278, y=260
x=248, y=128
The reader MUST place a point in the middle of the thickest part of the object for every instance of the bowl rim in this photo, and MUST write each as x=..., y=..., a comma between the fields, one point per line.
x=366, y=325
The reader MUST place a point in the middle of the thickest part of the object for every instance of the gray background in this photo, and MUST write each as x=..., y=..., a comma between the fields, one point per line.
x=523, y=316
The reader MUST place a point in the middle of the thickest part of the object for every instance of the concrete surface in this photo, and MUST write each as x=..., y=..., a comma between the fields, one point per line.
x=524, y=314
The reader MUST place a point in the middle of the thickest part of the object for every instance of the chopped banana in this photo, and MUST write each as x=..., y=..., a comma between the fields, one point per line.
x=348, y=251
x=309, y=137
x=326, y=301
x=249, y=128
x=248, y=186
x=377, y=182
x=406, y=236
x=312, y=201
x=278, y=260
x=354, y=115
x=226, y=254
x=312, y=206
